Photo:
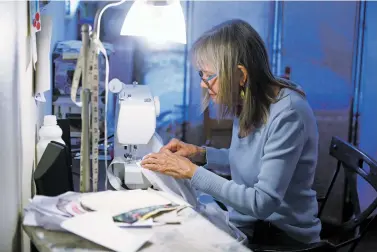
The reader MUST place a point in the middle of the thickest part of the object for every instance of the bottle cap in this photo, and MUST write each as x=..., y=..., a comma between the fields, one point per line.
x=49, y=120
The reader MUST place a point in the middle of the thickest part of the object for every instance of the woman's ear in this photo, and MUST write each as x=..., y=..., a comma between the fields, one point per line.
x=244, y=76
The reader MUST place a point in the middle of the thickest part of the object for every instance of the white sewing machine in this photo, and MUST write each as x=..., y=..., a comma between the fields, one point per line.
x=136, y=124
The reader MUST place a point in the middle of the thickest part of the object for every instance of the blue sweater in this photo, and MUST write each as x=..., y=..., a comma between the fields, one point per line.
x=272, y=171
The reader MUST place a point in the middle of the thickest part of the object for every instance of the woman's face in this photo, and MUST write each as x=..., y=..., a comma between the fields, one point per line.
x=209, y=81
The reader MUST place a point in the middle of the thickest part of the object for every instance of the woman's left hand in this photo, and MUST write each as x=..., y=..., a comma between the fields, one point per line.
x=170, y=164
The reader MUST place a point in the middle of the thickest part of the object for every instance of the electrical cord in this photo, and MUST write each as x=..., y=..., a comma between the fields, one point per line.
x=103, y=139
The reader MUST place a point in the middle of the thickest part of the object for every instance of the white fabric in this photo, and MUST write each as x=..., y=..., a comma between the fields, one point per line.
x=204, y=204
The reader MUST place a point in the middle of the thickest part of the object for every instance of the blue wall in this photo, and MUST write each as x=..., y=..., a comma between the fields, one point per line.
x=318, y=41
x=368, y=98
x=368, y=101
x=318, y=44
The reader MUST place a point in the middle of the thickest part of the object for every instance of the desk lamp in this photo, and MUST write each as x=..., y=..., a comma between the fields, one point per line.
x=158, y=21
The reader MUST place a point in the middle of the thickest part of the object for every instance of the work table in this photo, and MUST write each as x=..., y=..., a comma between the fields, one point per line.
x=195, y=234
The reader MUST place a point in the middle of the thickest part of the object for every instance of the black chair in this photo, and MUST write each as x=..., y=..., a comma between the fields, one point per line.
x=355, y=163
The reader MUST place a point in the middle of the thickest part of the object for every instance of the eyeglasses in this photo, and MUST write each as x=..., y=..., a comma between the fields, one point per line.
x=206, y=81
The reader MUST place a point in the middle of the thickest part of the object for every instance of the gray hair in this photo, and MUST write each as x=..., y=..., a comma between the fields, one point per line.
x=226, y=46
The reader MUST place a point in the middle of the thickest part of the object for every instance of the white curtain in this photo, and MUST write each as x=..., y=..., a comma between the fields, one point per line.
x=17, y=127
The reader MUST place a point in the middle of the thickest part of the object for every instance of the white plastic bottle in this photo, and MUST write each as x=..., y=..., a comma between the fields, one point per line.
x=49, y=131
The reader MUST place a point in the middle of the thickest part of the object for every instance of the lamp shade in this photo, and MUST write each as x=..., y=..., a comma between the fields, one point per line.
x=157, y=22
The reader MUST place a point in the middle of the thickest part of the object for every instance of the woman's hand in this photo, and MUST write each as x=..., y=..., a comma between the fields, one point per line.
x=198, y=154
x=184, y=149
x=170, y=164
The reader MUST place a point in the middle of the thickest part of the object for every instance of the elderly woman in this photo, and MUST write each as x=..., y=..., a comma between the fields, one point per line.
x=273, y=153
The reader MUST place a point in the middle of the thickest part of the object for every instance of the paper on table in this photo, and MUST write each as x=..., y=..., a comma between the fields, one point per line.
x=48, y=212
x=117, y=202
x=99, y=228
x=43, y=65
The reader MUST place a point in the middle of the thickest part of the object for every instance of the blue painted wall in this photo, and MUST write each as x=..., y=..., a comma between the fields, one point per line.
x=318, y=46
x=368, y=102
x=368, y=98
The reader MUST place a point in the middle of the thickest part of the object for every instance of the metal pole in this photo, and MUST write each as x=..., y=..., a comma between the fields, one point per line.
x=85, y=96
x=277, y=38
x=186, y=72
x=357, y=73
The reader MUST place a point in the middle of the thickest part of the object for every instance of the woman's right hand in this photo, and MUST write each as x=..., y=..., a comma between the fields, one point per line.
x=182, y=149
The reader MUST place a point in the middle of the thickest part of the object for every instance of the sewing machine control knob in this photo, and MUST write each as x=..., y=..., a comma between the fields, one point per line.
x=115, y=85
x=157, y=105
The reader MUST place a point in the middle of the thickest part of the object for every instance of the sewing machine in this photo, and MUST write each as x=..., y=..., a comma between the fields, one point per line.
x=136, y=124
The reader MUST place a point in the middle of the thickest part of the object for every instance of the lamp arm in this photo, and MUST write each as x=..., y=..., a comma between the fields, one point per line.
x=99, y=13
